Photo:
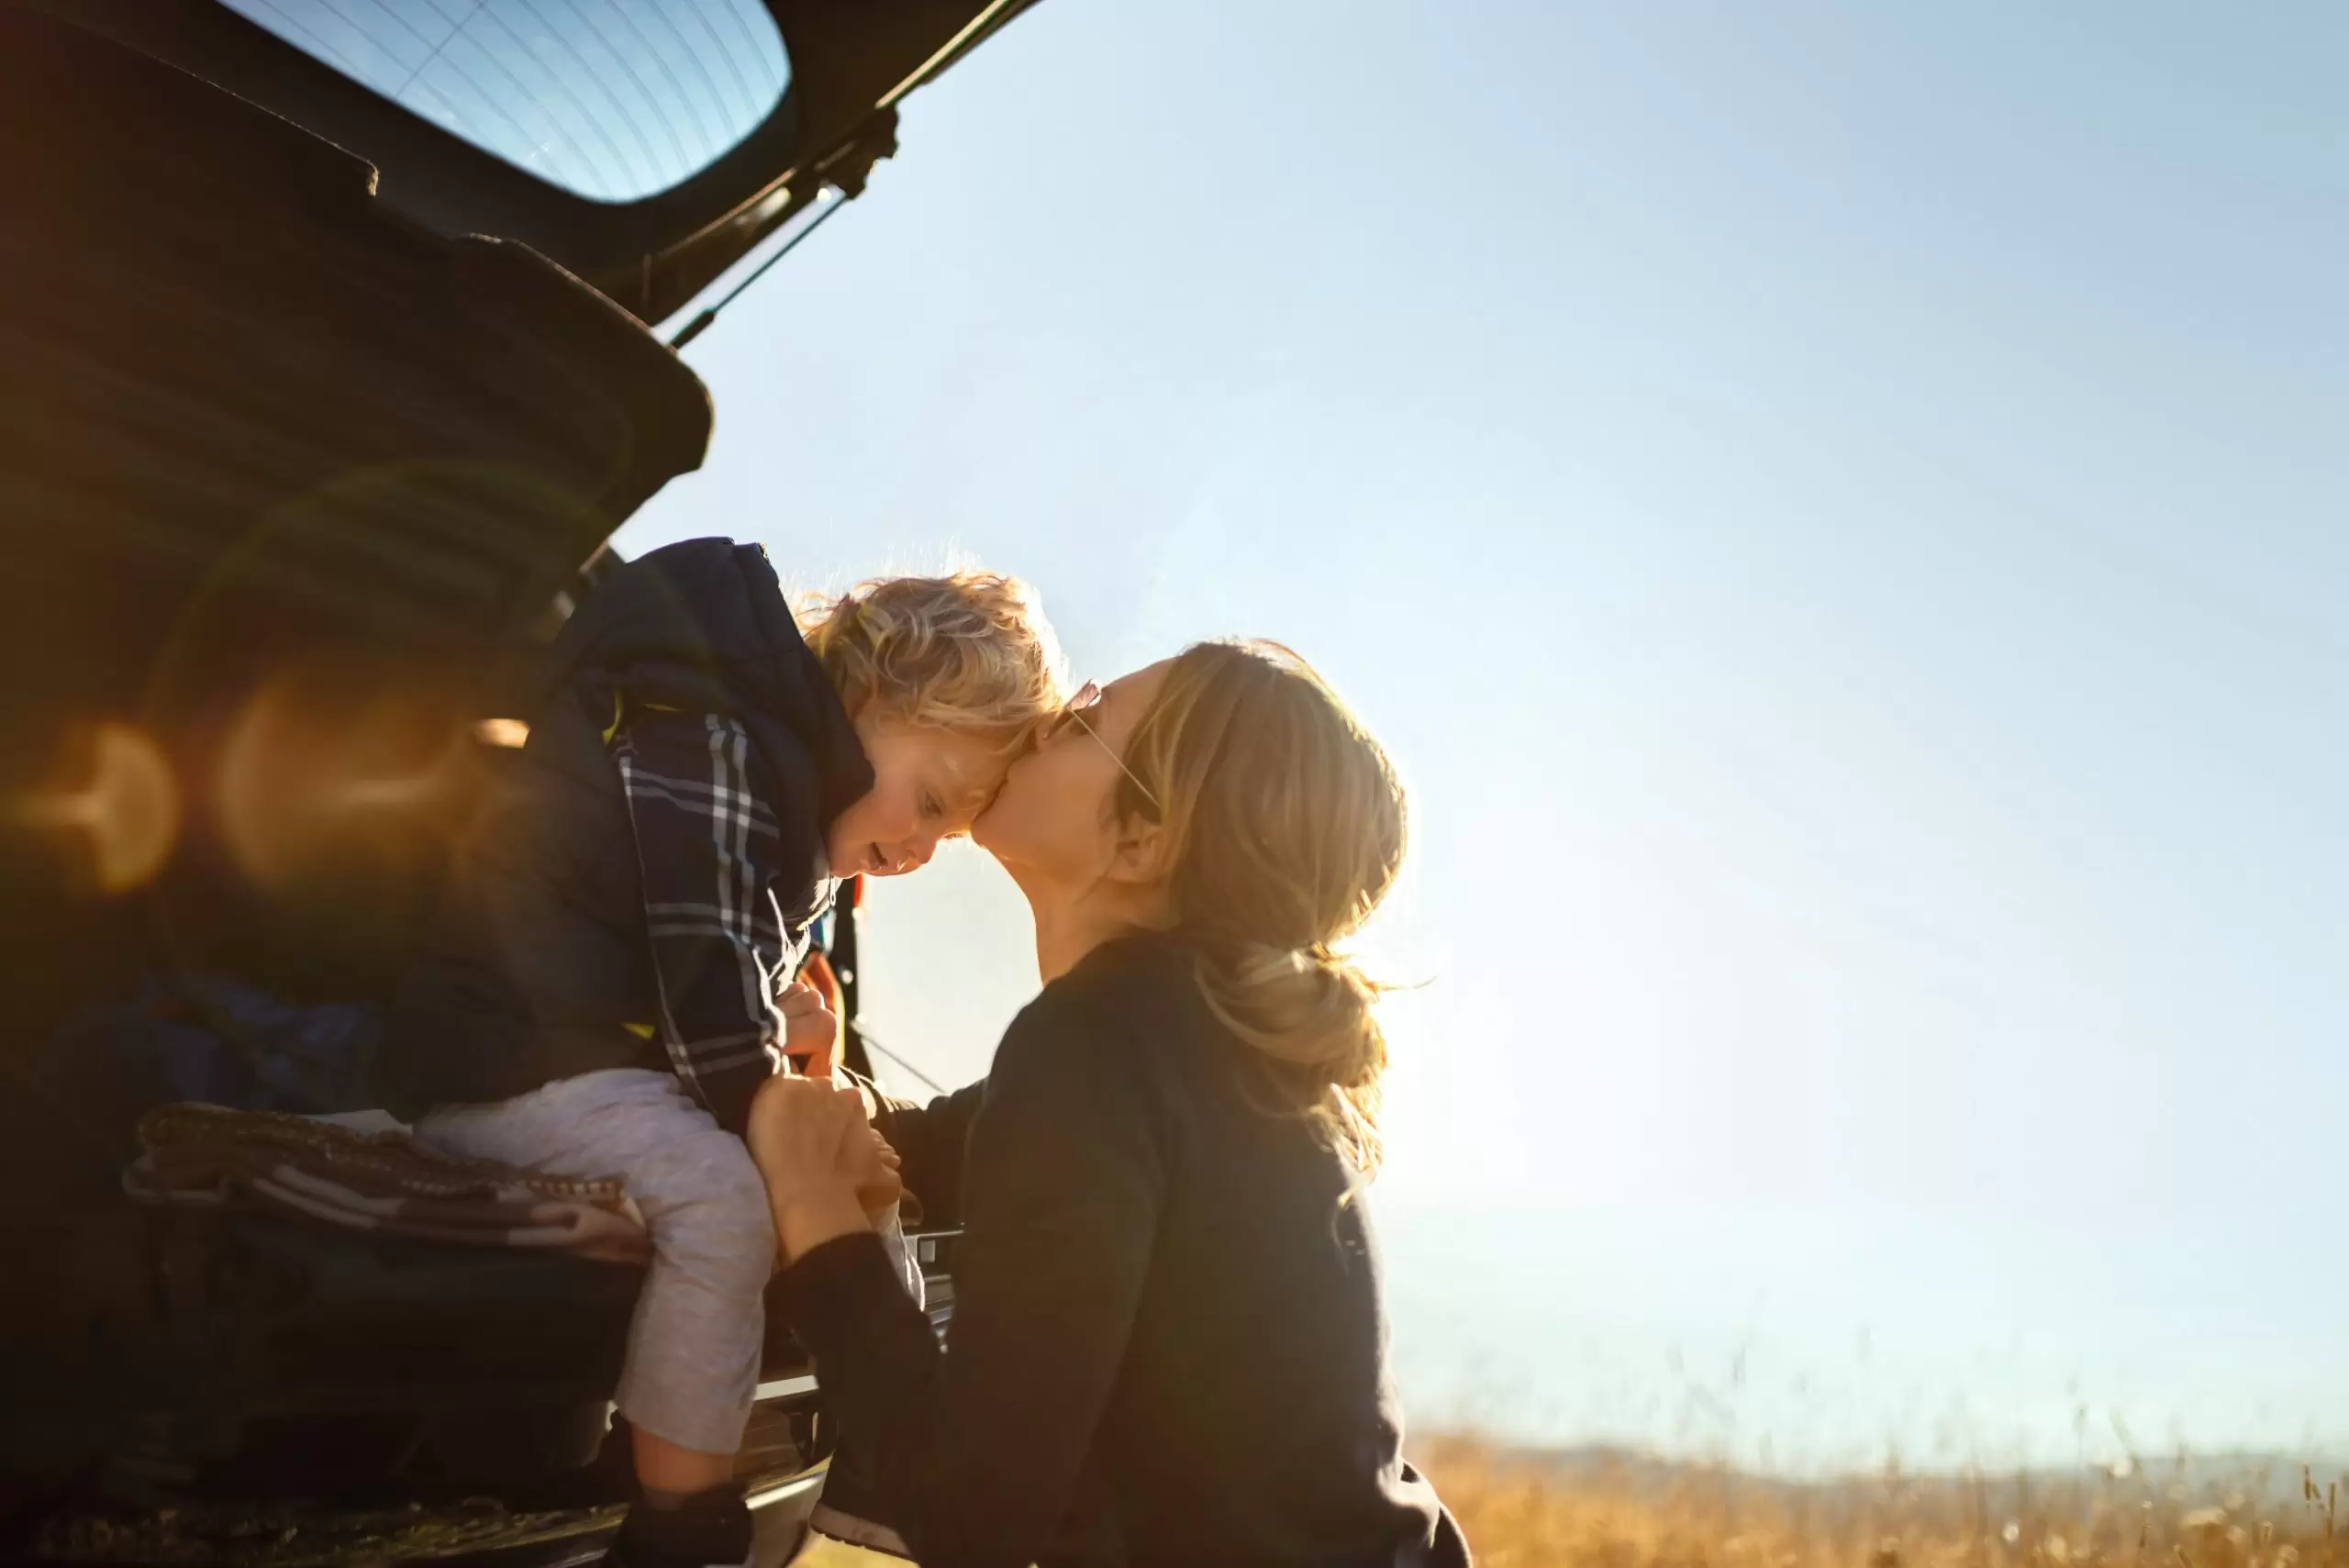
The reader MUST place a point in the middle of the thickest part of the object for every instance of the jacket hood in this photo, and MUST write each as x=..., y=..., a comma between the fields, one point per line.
x=703, y=623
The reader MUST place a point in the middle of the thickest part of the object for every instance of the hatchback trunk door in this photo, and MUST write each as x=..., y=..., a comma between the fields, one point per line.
x=645, y=148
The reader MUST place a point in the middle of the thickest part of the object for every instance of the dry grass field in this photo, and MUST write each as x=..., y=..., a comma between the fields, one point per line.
x=1531, y=1510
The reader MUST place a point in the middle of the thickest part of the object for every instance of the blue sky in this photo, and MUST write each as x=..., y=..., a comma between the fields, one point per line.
x=1838, y=511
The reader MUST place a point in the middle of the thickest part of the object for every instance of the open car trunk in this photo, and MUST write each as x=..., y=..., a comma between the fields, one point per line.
x=295, y=480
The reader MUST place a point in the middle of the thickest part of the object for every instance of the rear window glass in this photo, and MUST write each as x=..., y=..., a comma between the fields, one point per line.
x=612, y=99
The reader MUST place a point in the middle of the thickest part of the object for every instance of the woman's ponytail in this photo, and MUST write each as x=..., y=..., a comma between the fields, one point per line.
x=1286, y=827
x=1313, y=1014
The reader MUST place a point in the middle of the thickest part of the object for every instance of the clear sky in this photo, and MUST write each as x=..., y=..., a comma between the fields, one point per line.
x=1841, y=513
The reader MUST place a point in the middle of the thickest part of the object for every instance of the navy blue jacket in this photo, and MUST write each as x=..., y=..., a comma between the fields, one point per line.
x=687, y=753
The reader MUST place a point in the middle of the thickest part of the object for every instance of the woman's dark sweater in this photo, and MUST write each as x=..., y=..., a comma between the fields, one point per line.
x=1168, y=1343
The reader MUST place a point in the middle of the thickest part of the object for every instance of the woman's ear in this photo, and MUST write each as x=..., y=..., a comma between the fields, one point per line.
x=1140, y=858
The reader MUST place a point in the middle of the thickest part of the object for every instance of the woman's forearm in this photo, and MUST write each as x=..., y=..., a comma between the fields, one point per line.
x=978, y=1453
x=805, y=1220
x=931, y=1141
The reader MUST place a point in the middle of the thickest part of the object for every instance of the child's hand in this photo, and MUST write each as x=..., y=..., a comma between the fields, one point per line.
x=811, y=1033
x=874, y=1166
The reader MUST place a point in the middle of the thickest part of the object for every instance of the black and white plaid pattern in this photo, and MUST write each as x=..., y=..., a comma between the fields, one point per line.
x=708, y=846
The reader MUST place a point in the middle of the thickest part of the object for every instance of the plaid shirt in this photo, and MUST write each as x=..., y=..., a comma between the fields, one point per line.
x=728, y=924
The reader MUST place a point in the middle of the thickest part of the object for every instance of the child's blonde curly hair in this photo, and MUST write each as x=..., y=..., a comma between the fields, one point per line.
x=969, y=652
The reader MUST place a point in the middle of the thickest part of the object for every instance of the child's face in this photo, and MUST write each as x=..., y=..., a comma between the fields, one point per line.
x=927, y=784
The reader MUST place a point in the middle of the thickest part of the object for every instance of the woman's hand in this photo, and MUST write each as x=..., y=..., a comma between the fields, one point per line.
x=826, y=1169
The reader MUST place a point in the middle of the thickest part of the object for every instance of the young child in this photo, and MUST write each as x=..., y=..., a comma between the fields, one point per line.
x=611, y=980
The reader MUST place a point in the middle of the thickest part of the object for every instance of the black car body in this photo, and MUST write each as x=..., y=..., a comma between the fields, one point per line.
x=315, y=417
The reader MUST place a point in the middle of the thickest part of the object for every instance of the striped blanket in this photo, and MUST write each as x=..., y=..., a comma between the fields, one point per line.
x=376, y=1180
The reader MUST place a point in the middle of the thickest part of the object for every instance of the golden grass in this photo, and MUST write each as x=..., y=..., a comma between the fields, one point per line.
x=1523, y=1510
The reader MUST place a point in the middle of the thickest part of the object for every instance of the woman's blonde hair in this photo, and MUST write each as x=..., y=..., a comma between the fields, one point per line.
x=1284, y=828
x=969, y=652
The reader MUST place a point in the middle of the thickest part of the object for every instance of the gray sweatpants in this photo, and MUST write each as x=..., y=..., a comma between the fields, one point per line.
x=692, y=1367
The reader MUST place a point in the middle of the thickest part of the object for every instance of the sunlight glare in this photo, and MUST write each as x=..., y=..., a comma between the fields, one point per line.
x=129, y=810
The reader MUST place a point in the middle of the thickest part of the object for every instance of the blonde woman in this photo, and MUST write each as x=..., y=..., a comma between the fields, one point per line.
x=1168, y=1344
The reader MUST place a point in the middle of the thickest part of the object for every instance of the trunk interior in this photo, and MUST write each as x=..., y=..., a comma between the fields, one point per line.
x=289, y=489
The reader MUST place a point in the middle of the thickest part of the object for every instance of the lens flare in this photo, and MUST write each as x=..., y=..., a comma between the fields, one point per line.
x=129, y=813
x=303, y=779
x=507, y=734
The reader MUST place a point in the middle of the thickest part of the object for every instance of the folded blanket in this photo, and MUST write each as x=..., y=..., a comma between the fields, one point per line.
x=382, y=1181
